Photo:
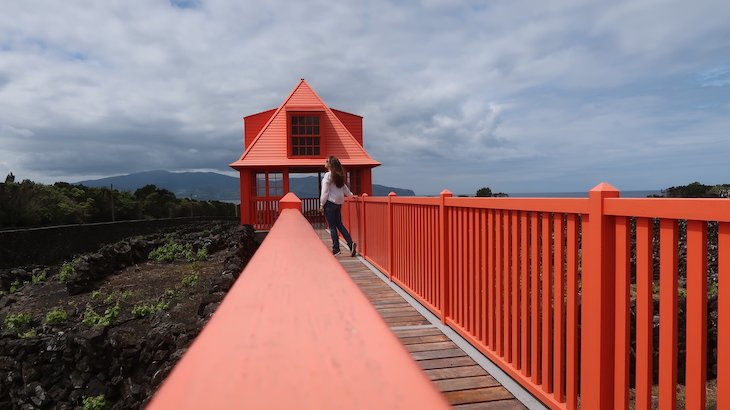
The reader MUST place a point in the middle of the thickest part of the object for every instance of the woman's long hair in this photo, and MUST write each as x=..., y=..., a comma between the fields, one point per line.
x=338, y=173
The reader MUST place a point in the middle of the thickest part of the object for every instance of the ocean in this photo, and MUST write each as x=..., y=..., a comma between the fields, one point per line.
x=624, y=194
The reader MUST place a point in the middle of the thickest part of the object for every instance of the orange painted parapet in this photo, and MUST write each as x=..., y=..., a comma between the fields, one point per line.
x=295, y=332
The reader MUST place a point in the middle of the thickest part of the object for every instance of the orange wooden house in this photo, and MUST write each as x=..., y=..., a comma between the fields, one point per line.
x=296, y=138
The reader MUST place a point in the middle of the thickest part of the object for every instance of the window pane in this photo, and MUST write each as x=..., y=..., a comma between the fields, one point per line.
x=301, y=129
x=309, y=140
x=316, y=130
x=309, y=121
x=316, y=150
x=315, y=140
x=309, y=151
x=316, y=120
x=294, y=120
x=309, y=130
x=260, y=184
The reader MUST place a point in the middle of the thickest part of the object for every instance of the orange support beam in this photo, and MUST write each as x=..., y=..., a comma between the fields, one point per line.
x=296, y=332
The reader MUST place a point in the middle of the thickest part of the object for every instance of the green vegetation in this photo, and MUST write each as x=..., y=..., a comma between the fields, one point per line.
x=66, y=272
x=55, y=316
x=40, y=277
x=190, y=280
x=95, y=403
x=144, y=310
x=487, y=192
x=172, y=250
x=698, y=190
x=15, y=285
x=17, y=320
x=91, y=318
x=30, y=204
x=28, y=334
x=96, y=295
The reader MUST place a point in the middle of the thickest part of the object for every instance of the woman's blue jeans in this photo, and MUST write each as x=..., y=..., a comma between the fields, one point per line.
x=333, y=215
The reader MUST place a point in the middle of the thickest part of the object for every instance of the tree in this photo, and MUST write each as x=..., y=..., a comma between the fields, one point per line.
x=485, y=191
x=10, y=178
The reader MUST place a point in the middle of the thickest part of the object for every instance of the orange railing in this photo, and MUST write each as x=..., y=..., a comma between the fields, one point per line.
x=516, y=277
x=264, y=212
x=296, y=332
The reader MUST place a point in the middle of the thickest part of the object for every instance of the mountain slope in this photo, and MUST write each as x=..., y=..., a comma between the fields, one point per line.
x=211, y=185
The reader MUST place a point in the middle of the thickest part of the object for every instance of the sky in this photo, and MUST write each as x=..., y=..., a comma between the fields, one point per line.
x=518, y=96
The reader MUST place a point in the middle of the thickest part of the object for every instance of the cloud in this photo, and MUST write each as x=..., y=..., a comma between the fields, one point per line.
x=522, y=96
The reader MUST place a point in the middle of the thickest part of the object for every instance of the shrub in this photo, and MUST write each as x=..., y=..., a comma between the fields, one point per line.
x=95, y=295
x=95, y=403
x=92, y=318
x=112, y=297
x=28, y=334
x=18, y=320
x=190, y=280
x=202, y=254
x=172, y=250
x=15, y=285
x=67, y=271
x=56, y=315
x=41, y=277
x=144, y=310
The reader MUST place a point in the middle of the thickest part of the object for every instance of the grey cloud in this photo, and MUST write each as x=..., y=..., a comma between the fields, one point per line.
x=525, y=96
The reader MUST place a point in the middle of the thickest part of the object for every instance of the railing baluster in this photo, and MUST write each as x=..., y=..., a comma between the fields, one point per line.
x=723, y=316
x=644, y=313
x=696, y=314
x=535, y=370
x=515, y=293
x=559, y=319
x=668, y=314
x=547, y=311
x=571, y=384
x=525, y=280
x=623, y=284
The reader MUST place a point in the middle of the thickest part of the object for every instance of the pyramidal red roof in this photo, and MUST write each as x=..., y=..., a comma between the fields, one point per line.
x=269, y=148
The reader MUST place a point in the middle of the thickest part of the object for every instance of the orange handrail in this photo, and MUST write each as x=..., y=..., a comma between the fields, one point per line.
x=517, y=276
x=296, y=332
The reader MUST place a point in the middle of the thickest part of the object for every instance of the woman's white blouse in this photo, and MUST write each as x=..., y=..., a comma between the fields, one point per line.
x=330, y=191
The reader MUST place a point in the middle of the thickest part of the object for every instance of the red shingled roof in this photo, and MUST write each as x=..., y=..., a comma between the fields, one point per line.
x=269, y=148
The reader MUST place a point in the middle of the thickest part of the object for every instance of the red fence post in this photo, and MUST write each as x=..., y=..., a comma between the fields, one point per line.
x=597, y=303
x=389, y=226
x=443, y=250
x=362, y=226
x=290, y=201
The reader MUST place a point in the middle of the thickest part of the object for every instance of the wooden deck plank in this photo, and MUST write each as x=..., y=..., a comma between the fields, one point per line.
x=424, y=339
x=512, y=404
x=446, y=363
x=455, y=372
x=478, y=395
x=438, y=354
x=464, y=383
x=430, y=346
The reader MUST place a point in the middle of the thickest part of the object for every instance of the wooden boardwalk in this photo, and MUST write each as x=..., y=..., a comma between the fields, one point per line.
x=465, y=383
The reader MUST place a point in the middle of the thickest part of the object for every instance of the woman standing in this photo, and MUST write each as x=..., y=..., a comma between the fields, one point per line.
x=334, y=191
